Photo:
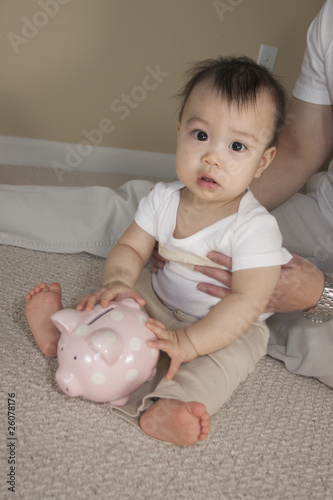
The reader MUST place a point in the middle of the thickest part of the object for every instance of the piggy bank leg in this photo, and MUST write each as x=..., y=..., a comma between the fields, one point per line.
x=152, y=375
x=120, y=402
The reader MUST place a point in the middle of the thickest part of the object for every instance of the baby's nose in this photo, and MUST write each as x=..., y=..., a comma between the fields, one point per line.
x=212, y=158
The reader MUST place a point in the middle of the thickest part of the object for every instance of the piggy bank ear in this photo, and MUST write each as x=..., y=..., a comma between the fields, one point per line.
x=67, y=320
x=106, y=342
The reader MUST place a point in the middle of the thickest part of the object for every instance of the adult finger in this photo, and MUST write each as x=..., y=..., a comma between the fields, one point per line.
x=221, y=259
x=214, y=290
x=157, y=260
x=218, y=274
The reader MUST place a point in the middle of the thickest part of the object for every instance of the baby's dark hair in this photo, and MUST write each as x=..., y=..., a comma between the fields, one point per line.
x=237, y=79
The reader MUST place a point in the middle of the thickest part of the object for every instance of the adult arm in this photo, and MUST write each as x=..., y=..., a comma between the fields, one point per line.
x=303, y=146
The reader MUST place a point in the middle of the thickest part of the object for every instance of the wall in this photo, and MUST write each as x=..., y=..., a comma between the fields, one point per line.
x=106, y=71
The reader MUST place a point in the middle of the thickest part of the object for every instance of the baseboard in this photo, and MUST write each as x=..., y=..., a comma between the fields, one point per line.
x=88, y=158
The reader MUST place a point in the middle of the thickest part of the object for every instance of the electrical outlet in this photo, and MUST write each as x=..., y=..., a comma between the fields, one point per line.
x=267, y=56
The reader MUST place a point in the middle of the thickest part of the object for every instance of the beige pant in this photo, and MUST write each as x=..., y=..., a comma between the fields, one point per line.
x=209, y=379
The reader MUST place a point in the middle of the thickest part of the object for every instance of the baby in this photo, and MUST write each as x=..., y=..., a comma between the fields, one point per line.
x=231, y=111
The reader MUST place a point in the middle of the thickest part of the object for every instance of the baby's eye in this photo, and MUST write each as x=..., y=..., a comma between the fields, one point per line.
x=237, y=146
x=200, y=135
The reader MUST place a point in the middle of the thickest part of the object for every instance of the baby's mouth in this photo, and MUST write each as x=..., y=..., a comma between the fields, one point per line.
x=205, y=178
x=208, y=179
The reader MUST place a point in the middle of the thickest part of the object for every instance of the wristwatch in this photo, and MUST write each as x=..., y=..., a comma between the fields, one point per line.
x=323, y=311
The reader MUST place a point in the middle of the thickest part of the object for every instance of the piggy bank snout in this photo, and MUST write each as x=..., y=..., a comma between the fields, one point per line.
x=68, y=383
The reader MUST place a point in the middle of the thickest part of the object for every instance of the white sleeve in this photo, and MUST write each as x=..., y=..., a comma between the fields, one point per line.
x=145, y=215
x=311, y=85
x=258, y=243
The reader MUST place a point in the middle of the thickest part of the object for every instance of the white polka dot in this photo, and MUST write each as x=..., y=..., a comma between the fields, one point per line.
x=116, y=315
x=143, y=319
x=154, y=352
x=135, y=344
x=131, y=375
x=81, y=330
x=98, y=378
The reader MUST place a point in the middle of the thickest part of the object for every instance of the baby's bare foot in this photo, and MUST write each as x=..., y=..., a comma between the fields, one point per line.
x=41, y=302
x=176, y=422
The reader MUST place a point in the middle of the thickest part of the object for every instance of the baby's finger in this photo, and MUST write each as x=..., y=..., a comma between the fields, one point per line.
x=155, y=323
x=91, y=301
x=157, y=328
x=83, y=303
x=162, y=345
x=174, y=365
x=106, y=298
x=140, y=300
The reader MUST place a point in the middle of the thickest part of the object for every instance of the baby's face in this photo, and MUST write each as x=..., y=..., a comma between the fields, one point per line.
x=221, y=148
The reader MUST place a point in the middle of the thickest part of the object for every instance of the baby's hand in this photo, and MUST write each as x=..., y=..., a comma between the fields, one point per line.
x=174, y=342
x=115, y=290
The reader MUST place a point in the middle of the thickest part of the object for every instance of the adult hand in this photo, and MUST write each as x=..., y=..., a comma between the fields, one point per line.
x=222, y=275
x=157, y=260
x=299, y=288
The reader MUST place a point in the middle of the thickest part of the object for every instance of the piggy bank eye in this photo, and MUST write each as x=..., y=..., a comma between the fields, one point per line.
x=63, y=342
x=75, y=357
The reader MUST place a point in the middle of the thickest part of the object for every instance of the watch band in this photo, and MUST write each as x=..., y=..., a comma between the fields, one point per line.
x=323, y=311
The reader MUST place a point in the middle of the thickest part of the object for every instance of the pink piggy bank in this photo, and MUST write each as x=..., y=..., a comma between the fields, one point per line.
x=102, y=353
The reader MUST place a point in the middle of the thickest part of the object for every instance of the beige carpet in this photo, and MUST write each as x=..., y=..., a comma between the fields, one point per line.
x=272, y=440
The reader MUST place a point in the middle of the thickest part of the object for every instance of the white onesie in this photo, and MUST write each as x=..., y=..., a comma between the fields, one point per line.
x=251, y=237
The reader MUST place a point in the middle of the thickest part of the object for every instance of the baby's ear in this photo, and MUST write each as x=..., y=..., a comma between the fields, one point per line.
x=266, y=159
